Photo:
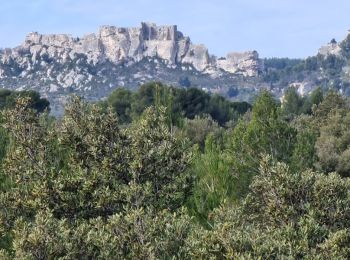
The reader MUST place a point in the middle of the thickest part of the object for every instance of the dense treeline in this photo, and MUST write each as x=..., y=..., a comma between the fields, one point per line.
x=8, y=99
x=180, y=103
x=271, y=184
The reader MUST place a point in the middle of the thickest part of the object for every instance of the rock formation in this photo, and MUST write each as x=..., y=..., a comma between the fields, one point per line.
x=332, y=48
x=117, y=44
x=247, y=63
x=59, y=64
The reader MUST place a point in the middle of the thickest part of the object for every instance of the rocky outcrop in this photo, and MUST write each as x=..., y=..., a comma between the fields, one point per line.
x=335, y=48
x=198, y=56
x=117, y=44
x=332, y=48
x=57, y=65
x=246, y=63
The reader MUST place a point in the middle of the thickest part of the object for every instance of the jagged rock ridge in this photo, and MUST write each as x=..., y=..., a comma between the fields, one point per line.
x=117, y=45
x=59, y=64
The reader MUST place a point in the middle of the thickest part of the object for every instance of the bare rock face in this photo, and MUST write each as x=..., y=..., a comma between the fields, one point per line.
x=59, y=64
x=117, y=44
x=159, y=41
x=137, y=43
x=331, y=48
x=246, y=63
x=334, y=47
x=197, y=55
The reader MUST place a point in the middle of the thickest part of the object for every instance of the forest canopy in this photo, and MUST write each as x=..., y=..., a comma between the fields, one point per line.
x=164, y=173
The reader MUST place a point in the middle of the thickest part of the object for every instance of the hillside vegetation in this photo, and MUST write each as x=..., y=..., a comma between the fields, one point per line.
x=164, y=173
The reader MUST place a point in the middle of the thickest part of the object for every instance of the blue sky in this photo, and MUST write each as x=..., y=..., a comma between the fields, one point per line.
x=275, y=28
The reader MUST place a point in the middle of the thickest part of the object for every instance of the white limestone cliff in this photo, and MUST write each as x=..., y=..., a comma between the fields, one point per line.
x=246, y=62
x=331, y=48
x=117, y=44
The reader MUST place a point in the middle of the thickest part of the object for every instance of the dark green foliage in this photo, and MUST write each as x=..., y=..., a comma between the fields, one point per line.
x=148, y=95
x=232, y=92
x=333, y=142
x=315, y=98
x=85, y=168
x=304, y=153
x=311, y=64
x=287, y=215
x=187, y=103
x=292, y=103
x=88, y=153
x=196, y=102
x=197, y=130
x=88, y=186
x=193, y=102
x=322, y=140
x=241, y=107
x=281, y=63
x=158, y=161
x=265, y=133
x=277, y=69
x=4, y=143
x=332, y=65
x=8, y=99
x=214, y=181
x=332, y=101
x=185, y=82
x=121, y=100
x=137, y=234
x=223, y=111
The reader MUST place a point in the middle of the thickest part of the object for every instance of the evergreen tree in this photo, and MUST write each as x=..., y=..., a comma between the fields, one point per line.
x=85, y=170
x=264, y=133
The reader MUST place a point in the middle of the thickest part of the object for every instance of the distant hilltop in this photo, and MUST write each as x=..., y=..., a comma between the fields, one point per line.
x=57, y=65
x=119, y=44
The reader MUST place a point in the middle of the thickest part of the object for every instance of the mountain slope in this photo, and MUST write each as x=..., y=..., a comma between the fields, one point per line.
x=93, y=65
x=57, y=65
